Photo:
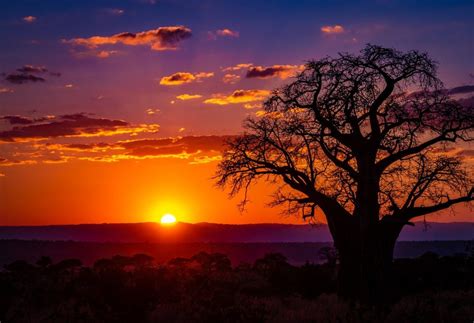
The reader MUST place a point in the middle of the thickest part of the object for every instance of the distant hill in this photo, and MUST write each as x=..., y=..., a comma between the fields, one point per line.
x=218, y=233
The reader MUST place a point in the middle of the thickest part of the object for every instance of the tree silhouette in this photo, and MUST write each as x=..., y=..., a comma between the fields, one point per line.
x=368, y=140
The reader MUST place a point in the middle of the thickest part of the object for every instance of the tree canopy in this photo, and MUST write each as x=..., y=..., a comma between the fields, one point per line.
x=368, y=135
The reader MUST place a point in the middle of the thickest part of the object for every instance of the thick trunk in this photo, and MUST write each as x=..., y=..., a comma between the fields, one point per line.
x=365, y=263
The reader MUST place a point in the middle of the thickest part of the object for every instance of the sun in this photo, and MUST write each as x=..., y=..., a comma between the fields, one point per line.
x=168, y=219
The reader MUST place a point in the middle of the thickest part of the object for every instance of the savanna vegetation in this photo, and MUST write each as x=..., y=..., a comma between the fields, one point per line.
x=207, y=288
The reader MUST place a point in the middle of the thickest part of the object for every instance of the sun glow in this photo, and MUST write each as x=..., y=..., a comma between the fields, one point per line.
x=168, y=219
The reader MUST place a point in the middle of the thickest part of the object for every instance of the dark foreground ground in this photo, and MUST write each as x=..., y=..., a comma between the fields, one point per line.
x=207, y=287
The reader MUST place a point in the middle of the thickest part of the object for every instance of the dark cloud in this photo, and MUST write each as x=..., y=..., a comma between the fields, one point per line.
x=461, y=89
x=174, y=146
x=29, y=74
x=23, y=78
x=17, y=120
x=466, y=153
x=282, y=71
x=101, y=145
x=78, y=125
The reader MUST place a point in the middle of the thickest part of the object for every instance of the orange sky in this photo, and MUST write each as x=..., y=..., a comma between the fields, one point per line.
x=131, y=191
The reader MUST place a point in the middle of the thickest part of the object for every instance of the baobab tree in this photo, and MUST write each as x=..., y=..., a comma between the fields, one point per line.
x=371, y=141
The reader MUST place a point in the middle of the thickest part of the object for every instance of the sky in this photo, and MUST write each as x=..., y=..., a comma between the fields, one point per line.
x=117, y=111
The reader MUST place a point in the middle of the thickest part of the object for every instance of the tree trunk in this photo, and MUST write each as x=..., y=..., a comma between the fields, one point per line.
x=365, y=263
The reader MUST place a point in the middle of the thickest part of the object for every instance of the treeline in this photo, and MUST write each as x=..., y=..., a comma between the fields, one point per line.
x=207, y=288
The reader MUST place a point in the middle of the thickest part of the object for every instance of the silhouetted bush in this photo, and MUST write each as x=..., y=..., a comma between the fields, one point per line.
x=206, y=288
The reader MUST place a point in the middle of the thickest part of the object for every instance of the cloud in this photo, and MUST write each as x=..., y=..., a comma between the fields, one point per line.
x=162, y=38
x=29, y=74
x=94, y=53
x=281, y=71
x=467, y=152
x=238, y=96
x=261, y=72
x=231, y=78
x=16, y=78
x=252, y=105
x=335, y=29
x=73, y=125
x=461, y=89
x=29, y=19
x=196, y=149
x=152, y=111
x=237, y=67
x=17, y=119
x=105, y=53
x=115, y=11
x=174, y=146
x=213, y=35
x=183, y=78
x=227, y=33
x=32, y=69
x=5, y=90
x=185, y=96
x=178, y=147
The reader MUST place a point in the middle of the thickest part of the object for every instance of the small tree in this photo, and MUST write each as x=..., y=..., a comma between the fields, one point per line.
x=364, y=138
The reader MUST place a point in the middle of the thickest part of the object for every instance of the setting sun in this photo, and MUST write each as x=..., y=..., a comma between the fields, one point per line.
x=168, y=219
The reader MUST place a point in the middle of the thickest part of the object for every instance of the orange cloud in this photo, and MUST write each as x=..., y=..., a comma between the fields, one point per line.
x=281, y=71
x=223, y=33
x=162, y=38
x=184, y=77
x=231, y=78
x=238, y=96
x=252, y=105
x=336, y=29
x=185, y=96
x=152, y=111
x=227, y=33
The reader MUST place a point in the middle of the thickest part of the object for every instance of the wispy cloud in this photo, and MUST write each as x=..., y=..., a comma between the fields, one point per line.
x=152, y=111
x=226, y=32
x=29, y=19
x=5, y=90
x=237, y=67
x=115, y=11
x=230, y=78
x=185, y=97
